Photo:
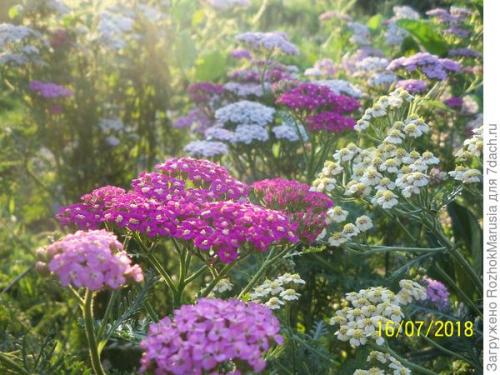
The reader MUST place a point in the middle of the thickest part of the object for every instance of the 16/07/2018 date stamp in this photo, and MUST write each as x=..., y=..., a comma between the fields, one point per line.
x=432, y=328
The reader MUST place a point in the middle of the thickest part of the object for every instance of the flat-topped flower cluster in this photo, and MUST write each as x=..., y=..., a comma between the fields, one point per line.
x=358, y=323
x=213, y=336
x=93, y=260
x=303, y=207
x=186, y=199
x=320, y=107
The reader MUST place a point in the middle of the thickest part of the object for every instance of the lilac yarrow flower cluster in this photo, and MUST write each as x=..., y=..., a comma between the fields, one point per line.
x=204, y=92
x=274, y=41
x=50, y=90
x=431, y=66
x=240, y=54
x=455, y=20
x=213, y=336
x=190, y=200
x=93, y=260
x=197, y=119
x=463, y=52
x=437, y=293
x=413, y=86
x=320, y=107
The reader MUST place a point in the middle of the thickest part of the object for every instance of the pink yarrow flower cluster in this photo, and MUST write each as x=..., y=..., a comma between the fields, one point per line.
x=190, y=200
x=93, y=260
x=214, y=336
x=304, y=208
x=320, y=107
x=50, y=90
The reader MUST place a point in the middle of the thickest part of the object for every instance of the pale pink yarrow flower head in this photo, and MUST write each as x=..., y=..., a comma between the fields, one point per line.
x=91, y=259
x=212, y=337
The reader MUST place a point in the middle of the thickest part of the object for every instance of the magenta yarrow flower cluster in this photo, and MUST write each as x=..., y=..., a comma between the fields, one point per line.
x=50, y=90
x=190, y=200
x=320, y=107
x=307, y=209
x=214, y=336
x=431, y=66
x=93, y=260
x=437, y=293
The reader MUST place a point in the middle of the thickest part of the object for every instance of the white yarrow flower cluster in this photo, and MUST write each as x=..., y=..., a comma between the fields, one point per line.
x=348, y=231
x=395, y=35
x=206, y=149
x=224, y=285
x=276, y=293
x=288, y=132
x=342, y=87
x=388, y=361
x=389, y=172
x=384, y=104
x=271, y=41
x=17, y=44
x=359, y=322
x=470, y=153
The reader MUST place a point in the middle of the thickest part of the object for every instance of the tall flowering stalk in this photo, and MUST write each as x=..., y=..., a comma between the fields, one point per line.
x=95, y=261
x=394, y=175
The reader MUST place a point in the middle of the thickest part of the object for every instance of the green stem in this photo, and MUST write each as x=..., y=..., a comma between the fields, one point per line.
x=268, y=261
x=88, y=316
x=107, y=312
x=225, y=270
x=409, y=364
x=447, y=351
x=195, y=275
x=458, y=290
x=457, y=255
x=384, y=249
x=155, y=263
x=8, y=363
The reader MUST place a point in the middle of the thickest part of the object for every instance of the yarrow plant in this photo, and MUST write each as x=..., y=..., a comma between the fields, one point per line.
x=277, y=292
x=305, y=208
x=359, y=323
x=216, y=336
x=430, y=66
x=186, y=199
x=94, y=260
